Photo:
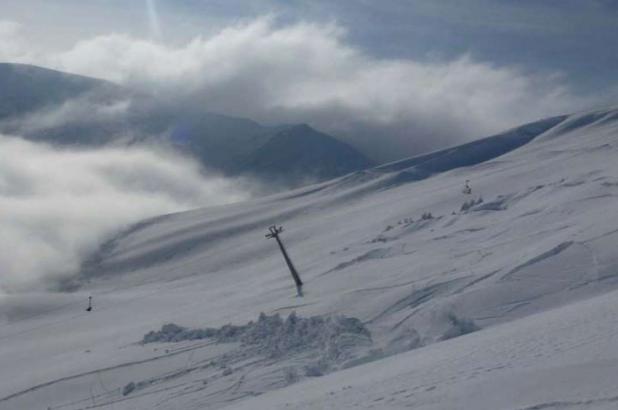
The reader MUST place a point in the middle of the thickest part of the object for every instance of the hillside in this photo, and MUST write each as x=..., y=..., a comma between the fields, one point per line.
x=27, y=88
x=505, y=298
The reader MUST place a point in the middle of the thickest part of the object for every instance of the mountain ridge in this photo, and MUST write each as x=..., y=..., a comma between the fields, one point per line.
x=60, y=108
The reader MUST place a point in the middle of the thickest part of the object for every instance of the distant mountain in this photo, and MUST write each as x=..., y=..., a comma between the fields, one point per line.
x=27, y=88
x=291, y=152
x=59, y=108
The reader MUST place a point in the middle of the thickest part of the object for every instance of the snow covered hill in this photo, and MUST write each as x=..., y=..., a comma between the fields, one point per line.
x=416, y=294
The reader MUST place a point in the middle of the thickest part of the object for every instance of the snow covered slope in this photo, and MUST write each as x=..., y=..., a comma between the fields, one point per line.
x=502, y=299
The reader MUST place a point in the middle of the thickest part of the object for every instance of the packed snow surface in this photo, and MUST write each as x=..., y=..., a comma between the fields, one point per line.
x=417, y=295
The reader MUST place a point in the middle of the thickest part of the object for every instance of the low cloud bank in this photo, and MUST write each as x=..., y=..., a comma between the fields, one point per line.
x=310, y=73
x=58, y=205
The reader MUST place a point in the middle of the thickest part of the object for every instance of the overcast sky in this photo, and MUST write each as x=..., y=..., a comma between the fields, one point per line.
x=423, y=73
x=574, y=37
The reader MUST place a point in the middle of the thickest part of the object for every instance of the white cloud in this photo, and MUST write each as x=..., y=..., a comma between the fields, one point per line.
x=308, y=73
x=12, y=44
x=82, y=109
x=57, y=206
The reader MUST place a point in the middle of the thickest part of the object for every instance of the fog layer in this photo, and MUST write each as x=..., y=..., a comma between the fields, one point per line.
x=57, y=206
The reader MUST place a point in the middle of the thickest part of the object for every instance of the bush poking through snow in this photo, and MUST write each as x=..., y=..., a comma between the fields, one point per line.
x=314, y=370
x=499, y=204
x=174, y=333
x=128, y=388
x=469, y=204
x=379, y=239
x=290, y=375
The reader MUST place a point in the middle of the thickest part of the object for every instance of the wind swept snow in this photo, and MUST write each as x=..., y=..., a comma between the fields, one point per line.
x=325, y=341
x=506, y=303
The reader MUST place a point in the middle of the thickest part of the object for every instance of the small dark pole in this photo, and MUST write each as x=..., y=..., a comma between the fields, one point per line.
x=89, y=308
x=274, y=232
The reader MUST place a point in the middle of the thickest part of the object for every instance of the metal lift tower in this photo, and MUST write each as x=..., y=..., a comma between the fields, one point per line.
x=273, y=232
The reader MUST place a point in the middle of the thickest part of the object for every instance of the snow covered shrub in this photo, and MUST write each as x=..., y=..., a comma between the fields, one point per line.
x=314, y=369
x=128, y=388
x=459, y=326
x=290, y=375
x=405, y=221
x=426, y=216
x=500, y=203
x=466, y=205
x=174, y=333
x=469, y=204
x=379, y=239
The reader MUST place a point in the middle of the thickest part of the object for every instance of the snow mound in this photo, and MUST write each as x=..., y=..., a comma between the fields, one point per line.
x=334, y=337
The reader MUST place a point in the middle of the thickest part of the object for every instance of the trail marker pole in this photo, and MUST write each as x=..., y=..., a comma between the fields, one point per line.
x=467, y=190
x=273, y=232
